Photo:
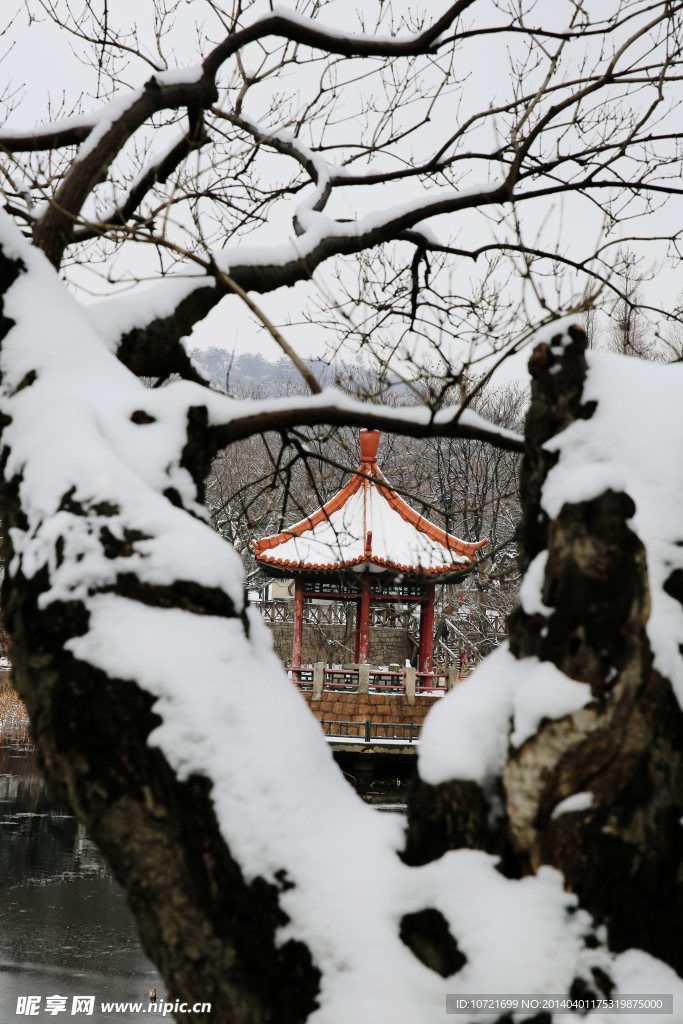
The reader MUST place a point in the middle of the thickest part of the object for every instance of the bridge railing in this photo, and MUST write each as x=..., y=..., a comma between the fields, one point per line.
x=368, y=732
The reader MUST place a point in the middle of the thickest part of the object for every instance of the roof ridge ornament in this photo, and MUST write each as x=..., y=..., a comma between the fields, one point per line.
x=369, y=443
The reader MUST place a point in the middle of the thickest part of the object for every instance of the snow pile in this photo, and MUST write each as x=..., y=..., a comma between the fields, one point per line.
x=227, y=708
x=466, y=736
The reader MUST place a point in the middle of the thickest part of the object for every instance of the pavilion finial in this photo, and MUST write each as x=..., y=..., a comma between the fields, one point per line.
x=369, y=442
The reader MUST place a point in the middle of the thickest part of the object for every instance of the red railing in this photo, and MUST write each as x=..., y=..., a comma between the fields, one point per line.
x=303, y=677
x=335, y=678
x=341, y=679
x=383, y=679
x=379, y=680
x=429, y=681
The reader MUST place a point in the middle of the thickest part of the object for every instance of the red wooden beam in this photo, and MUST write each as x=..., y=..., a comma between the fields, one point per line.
x=363, y=626
x=426, y=631
x=298, y=631
x=355, y=597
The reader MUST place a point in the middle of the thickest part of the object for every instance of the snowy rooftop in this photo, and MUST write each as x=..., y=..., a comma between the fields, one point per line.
x=366, y=526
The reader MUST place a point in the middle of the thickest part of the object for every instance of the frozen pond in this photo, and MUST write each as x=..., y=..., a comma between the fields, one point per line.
x=65, y=926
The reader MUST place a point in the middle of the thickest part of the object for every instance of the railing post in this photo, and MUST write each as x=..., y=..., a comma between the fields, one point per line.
x=410, y=674
x=367, y=732
x=298, y=630
x=363, y=678
x=363, y=624
x=452, y=678
x=318, y=680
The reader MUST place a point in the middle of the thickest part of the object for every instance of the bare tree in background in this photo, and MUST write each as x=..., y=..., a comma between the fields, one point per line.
x=671, y=337
x=231, y=830
x=628, y=331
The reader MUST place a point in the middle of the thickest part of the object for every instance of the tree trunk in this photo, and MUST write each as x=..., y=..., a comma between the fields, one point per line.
x=210, y=933
x=622, y=855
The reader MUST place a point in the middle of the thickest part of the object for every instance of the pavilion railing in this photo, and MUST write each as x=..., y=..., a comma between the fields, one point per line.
x=381, y=680
x=431, y=682
x=334, y=614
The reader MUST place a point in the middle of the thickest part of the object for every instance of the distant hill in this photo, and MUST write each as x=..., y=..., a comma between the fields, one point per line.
x=252, y=371
x=249, y=369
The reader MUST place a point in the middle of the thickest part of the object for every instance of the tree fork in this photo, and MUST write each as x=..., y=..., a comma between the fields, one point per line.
x=623, y=855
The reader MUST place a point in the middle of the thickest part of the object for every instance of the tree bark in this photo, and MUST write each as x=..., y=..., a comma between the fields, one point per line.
x=623, y=856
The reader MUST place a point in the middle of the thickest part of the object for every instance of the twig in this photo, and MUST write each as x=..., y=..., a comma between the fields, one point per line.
x=273, y=331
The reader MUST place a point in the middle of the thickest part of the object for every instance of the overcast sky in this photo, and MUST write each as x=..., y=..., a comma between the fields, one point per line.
x=43, y=67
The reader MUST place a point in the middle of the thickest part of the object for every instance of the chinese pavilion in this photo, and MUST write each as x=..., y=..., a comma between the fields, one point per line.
x=366, y=544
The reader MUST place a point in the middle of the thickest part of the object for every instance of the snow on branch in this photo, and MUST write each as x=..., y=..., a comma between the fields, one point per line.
x=265, y=268
x=146, y=329
x=281, y=22
x=194, y=88
x=284, y=142
x=288, y=24
x=261, y=269
x=335, y=408
x=157, y=172
x=69, y=132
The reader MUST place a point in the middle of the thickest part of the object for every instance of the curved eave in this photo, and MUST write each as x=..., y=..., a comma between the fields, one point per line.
x=422, y=525
x=283, y=563
x=459, y=548
x=333, y=505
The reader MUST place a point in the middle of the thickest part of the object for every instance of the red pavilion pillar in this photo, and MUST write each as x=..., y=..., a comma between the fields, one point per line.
x=424, y=663
x=363, y=625
x=298, y=631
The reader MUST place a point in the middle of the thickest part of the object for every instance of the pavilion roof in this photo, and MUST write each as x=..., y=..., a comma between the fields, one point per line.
x=366, y=526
